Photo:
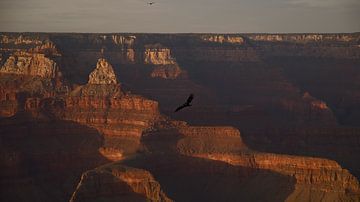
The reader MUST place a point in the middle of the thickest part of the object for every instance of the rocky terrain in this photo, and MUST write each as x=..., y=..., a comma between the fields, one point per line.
x=89, y=117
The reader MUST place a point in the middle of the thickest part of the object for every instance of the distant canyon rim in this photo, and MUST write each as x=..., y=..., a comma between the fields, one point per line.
x=90, y=117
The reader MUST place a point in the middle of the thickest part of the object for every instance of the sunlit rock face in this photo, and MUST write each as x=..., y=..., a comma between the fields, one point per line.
x=19, y=40
x=165, y=66
x=303, y=37
x=23, y=63
x=158, y=56
x=103, y=74
x=124, y=41
x=224, y=39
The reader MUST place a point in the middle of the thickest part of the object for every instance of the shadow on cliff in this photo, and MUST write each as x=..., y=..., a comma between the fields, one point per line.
x=185, y=178
x=114, y=190
x=42, y=159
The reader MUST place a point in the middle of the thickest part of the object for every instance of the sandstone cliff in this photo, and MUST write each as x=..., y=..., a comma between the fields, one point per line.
x=103, y=74
x=124, y=41
x=323, y=179
x=165, y=66
x=319, y=178
x=158, y=56
x=30, y=64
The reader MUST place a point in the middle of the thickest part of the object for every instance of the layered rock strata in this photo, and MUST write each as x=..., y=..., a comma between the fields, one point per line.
x=103, y=74
x=165, y=66
x=158, y=56
x=23, y=63
x=115, y=182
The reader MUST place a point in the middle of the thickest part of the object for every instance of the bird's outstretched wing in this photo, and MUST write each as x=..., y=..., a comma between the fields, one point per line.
x=179, y=108
x=190, y=98
x=186, y=104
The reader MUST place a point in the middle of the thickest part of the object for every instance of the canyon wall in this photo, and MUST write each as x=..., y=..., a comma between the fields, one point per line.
x=293, y=94
x=304, y=37
x=224, y=39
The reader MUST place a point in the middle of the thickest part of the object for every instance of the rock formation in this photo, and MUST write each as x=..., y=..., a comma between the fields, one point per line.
x=130, y=55
x=30, y=64
x=18, y=40
x=158, y=56
x=48, y=49
x=303, y=37
x=320, y=177
x=103, y=74
x=165, y=66
x=124, y=41
x=224, y=39
x=166, y=71
x=119, y=183
x=293, y=145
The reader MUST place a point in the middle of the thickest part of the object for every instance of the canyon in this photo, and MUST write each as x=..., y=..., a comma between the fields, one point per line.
x=89, y=117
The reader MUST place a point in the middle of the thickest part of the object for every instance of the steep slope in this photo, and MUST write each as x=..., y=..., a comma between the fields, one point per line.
x=53, y=136
x=214, y=164
x=118, y=183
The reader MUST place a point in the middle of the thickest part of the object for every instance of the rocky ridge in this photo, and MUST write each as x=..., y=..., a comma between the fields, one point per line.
x=127, y=125
x=165, y=66
x=224, y=39
x=303, y=37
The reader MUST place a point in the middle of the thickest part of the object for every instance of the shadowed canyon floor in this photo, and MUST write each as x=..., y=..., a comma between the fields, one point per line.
x=89, y=117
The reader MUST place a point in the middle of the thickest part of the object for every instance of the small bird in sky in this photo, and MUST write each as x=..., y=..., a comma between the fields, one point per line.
x=186, y=104
x=151, y=3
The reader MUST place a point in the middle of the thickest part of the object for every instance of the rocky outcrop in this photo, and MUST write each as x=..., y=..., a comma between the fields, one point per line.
x=124, y=41
x=48, y=48
x=303, y=37
x=165, y=66
x=219, y=139
x=103, y=74
x=115, y=182
x=158, y=56
x=8, y=100
x=23, y=63
x=223, y=39
x=166, y=71
x=130, y=55
x=17, y=40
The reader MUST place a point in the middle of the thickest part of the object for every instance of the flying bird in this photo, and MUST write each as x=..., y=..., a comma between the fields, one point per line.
x=186, y=104
x=151, y=3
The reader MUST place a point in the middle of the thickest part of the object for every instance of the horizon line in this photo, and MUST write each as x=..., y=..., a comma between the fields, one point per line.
x=61, y=32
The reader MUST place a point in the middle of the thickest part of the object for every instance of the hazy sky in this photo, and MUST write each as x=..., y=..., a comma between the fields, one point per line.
x=226, y=16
